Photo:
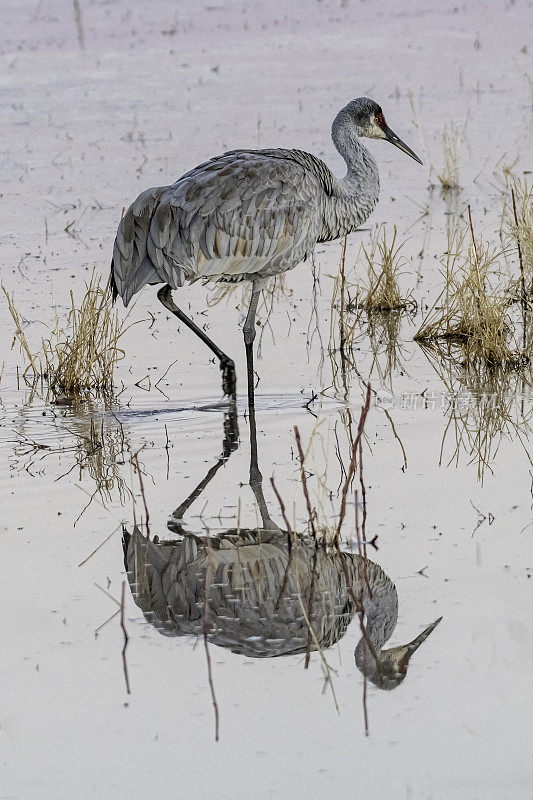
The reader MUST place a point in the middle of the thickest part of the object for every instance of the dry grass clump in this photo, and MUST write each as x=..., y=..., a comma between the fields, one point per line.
x=451, y=143
x=80, y=356
x=373, y=305
x=473, y=307
x=377, y=291
x=380, y=289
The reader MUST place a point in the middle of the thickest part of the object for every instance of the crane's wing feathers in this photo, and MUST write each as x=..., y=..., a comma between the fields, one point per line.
x=226, y=219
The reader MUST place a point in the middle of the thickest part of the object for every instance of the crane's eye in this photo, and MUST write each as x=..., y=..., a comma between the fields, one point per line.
x=379, y=119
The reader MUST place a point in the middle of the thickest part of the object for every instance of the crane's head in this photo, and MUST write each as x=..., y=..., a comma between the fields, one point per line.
x=368, y=119
x=391, y=667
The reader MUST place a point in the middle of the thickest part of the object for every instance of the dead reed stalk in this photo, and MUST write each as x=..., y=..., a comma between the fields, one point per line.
x=377, y=292
x=517, y=227
x=353, y=460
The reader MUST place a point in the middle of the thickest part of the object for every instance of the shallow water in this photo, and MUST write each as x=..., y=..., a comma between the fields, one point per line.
x=150, y=93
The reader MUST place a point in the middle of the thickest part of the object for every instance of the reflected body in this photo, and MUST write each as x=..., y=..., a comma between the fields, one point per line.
x=264, y=592
x=260, y=585
x=248, y=215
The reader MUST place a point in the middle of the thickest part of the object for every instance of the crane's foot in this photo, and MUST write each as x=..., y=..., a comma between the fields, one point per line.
x=229, y=378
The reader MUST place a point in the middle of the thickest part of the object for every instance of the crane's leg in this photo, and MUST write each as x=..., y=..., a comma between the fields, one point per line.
x=256, y=478
x=229, y=444
x=249, y=336
x=229, y=381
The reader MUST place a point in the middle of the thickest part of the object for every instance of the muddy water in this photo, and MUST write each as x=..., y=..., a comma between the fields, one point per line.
x=128, y=97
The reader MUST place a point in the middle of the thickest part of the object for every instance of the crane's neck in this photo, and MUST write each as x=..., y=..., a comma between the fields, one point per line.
x=381, y=612
x=355, y=196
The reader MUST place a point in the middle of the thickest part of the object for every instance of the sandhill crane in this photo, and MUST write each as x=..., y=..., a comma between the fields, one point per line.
x=248, y=215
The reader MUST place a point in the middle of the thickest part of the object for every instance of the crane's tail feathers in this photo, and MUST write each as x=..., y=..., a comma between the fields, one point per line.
x=139, y=254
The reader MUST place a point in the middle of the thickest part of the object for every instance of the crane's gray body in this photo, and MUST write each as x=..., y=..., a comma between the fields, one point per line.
x=258, y=592
x=261, y=596
x=245, y=215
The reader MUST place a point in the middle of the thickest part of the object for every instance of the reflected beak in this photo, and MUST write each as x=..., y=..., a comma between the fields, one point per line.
x=421, y=638
x=391, y=137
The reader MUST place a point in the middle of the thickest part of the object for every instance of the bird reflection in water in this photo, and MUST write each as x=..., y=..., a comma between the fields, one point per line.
x=258, y=592
x=264, y=586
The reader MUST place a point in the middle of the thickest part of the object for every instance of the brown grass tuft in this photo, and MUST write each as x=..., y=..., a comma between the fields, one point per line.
x=380, y=289
x=473, y=306
x=80, y=356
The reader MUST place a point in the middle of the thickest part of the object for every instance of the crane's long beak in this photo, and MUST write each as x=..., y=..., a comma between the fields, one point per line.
x=391, y=137
x=406, y=651
x=421, y=638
